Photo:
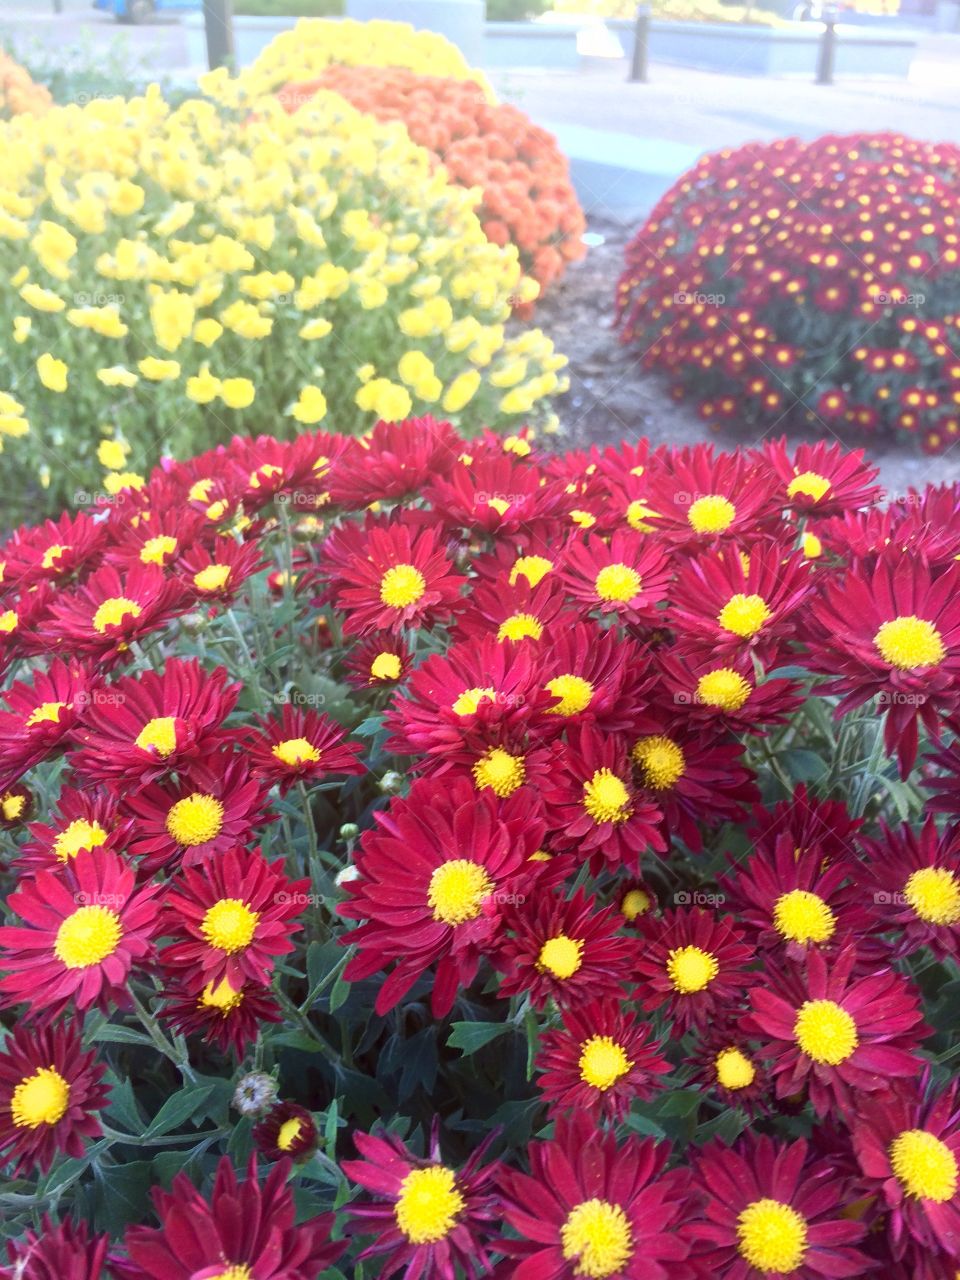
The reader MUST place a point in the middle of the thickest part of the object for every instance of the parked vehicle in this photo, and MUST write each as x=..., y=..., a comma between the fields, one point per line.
x=137, y=11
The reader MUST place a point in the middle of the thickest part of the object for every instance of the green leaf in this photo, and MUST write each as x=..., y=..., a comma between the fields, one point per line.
x=122, y=1194
x=123, y=1104
x=178, y=1109
x=111, y=1033
x=471, y=1036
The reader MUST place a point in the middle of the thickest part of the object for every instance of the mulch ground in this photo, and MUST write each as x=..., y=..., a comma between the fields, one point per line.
x=612, y=397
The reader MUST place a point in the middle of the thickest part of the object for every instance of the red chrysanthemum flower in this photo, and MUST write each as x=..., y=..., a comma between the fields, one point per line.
x=378, y=661
x=892, y=637
x=84, y=928
x=593, y=805
x=628, y=575
x=768, y=1210
x=428, y=877
x=727, y=1068
x=287, y=1131
x=64, y=1252
x=834, y=1034
x=908, y=1148
x=226, y=1017
x=727, y=608
x=155, y=536
x=910, y=886
x=301, y=745
x=40, y=717
x=230, y=918
x=566, y=949
x=50, y=1093
x=82, y=820
x=105, y=615
x=692, y=965
x=513, y=613
x=145, y=726
x=244, y=1230
x=55, y=551
x=497, y=495
x=599, y=1061
x=210, y=808
x=726, y=696
x=810, y=822
x=823, y=479
x=699, y=497
x=400, y=577
x=792, y=899
x=591, y=1207
x=593, y=676
x=697, y=777
x=430, y=1220
x=216, y=573
x=395, y=460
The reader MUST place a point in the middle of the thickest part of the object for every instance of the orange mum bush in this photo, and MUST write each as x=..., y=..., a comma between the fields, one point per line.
x=18, y=93
x=528, y=198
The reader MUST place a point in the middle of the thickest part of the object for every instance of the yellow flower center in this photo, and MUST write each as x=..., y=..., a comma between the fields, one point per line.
x=803, y=917
x=295, y=751
x=213, y=578
x=605, y=797
x=520, y=626
x=12, y=806
x=42, y=1098
x=574, y=693
x=810, y=484
x=597, y=1236
x=617, y=582
x=723, y=688
x=468, y=701
x=934, y=895
x=772, y=1236
x=46, y=713
x=87, y=937
x=77, y=835
x=825, y=1032
x=239, y=1272
x=602, y=1062
x=635, y=903
x=113, y=611
x=402, y=585
x=289, y=1133
x=195, y=819
x=429, y=1204
x=385, y=666
x=691, y=969
x=711, y=514
x=744, y=615
x=52, y=555
x=229, y=925
x=500, y=771
x=734, y=1069
x=159, y=735
x=561, y=956
x=8, y=621
x=220, y=996
x=158, y=550
x=533, y=568
x=661, y=762
x=909, y=643
x=457, y=891
x=924, y=1166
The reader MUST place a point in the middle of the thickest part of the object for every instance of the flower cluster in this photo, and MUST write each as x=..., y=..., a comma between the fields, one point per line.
x=528, y=199
x=172, y=276
x=611, y=757
x=18, y=92
x=807, y=282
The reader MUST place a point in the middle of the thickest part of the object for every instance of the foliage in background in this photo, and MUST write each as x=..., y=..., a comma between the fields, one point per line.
x=172, y=277
x=82, y=71
x=812, y=282
x=290, y=8
x=528, y=198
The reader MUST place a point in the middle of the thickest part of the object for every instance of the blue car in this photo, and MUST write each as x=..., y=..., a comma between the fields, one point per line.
x=143, y=10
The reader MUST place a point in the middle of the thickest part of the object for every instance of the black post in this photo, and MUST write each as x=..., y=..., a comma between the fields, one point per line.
x=828, y=47
x=641, y=41
x=218, y=22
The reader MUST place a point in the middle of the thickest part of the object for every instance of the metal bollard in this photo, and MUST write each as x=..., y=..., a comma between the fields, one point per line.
x=218, y=24
x=827, y=55
x=641, y=42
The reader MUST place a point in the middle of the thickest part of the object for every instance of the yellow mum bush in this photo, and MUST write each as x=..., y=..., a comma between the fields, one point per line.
x=314, y=44
x=171, y=277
